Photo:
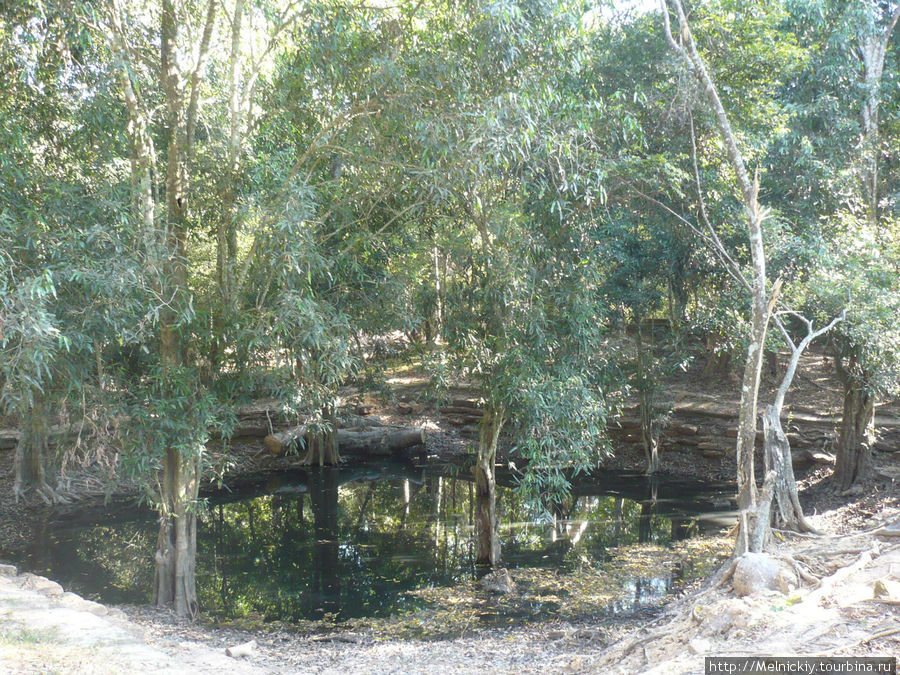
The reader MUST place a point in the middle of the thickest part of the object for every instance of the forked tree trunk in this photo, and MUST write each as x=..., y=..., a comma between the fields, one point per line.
x=176, y=547
x=487, y=551
x=788, y=514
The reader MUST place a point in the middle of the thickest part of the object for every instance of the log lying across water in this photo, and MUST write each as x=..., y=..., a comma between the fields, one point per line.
x=370, y=442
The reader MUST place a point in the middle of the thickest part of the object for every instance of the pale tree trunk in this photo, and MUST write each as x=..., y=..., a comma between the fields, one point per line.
x=760, y=306
x=777, y=449
x=226, y=228
x=176, y=548
x=649, y=421
x=487, y=550
x=165, y=253
x=873, y=46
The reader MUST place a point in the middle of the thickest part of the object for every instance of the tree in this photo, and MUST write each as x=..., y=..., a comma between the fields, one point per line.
x=761, y=303
x=847, y=175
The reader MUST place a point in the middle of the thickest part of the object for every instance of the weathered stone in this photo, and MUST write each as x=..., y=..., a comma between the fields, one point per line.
x=242, y=650
x=75, y=601
x=41, y=584
x=724, y=617
x=713, y=454
x=699, y=646
x=756, y=572
x=886, y=590
x=498, y=581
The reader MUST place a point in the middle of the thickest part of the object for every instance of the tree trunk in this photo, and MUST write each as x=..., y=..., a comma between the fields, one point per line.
x=176, y=547
x=760, y=308
x=788, y=512
x=31, y=451
x=486, y=526
x=646, y=396
x=857, y=435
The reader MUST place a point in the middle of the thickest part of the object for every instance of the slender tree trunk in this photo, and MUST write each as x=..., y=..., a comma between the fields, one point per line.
x=788, y=512
x=646, y=395
x=486, y=525
x=760, y=307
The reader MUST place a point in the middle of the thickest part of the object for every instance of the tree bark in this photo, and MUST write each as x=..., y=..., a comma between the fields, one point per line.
x=31, y=451
x=487, y=551
x=857, y=434
x=176, y=547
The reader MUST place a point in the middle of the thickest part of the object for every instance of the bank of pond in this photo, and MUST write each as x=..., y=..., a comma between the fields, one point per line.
x=391, y=539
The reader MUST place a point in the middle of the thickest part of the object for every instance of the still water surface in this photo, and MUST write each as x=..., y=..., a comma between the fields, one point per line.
x=353, y=542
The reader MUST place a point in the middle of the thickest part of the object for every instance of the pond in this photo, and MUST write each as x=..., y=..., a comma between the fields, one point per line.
x=340, y=543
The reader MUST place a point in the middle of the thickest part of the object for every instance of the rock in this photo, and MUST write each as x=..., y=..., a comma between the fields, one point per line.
x=756, y=572
x=886, y=590
x=891, y=473
x=575, y=665
x=75, y=601
x=889, y=532
x=8, y=570
x=713, y=454
x=723, y=617
x=699, y=646
x=498, y=581
x=238, y=651
x=41, y=584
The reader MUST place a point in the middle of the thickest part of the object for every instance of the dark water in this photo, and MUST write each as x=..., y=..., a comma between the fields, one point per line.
x=351, y=542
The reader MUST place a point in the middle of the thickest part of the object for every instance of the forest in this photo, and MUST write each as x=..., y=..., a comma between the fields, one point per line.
x=550, y=215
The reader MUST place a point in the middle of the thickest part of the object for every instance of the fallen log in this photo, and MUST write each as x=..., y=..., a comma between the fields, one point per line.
x=380, y=441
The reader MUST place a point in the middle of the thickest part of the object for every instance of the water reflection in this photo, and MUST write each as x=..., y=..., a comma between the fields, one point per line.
x=351, y=542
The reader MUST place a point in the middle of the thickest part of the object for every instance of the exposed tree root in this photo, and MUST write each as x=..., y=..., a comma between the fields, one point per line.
x=803, y=573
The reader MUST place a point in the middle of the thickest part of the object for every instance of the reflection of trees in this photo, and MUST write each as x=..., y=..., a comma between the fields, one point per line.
x=106, y=561
x=351, y=541
x=326, y=586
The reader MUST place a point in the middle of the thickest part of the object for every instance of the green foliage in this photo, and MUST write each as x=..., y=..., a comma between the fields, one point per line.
x=862, y=273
